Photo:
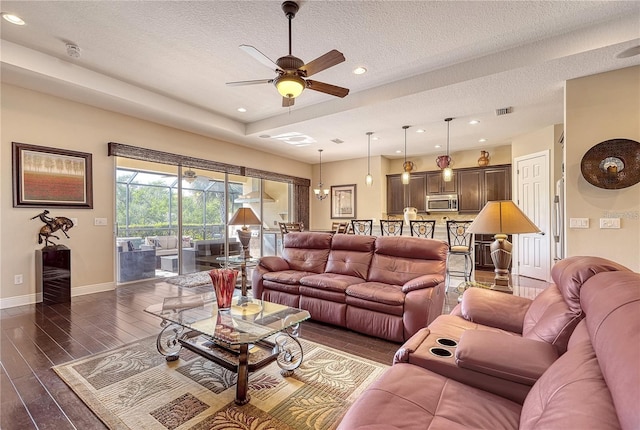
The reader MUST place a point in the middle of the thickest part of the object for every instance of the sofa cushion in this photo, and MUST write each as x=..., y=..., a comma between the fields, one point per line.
x=550, y=320
x=351, y=255
x=411, y=398
x=377, y=292
x=398, y=259
x=571, y=394
x=291, y=277
x=571, y=273
x=306, y=251
x=330, y=281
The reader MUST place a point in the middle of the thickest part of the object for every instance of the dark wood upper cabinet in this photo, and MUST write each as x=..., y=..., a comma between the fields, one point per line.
x=400, y=196
x=470, y=194
x=477, y=186
x=436, y=185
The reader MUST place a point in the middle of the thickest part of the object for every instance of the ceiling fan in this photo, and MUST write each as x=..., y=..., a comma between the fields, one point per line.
x=292, y=71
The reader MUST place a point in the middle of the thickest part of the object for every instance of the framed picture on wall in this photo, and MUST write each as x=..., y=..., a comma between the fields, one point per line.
x=343, y=201
x=45, y=177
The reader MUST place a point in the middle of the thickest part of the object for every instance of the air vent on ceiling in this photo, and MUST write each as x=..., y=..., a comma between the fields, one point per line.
x=504, y=111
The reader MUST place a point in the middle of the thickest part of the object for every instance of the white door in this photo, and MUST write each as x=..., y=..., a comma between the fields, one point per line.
x=533, y=197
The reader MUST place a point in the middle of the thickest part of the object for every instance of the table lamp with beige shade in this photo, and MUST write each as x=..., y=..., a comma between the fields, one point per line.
x=244, y=217
x=502, y=218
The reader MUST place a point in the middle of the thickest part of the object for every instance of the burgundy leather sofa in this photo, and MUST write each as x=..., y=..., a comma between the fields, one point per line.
x=590, y=381
x=388, y=287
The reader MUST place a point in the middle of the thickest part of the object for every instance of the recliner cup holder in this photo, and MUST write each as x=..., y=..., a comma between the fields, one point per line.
x=441, y=352
x=446, y=342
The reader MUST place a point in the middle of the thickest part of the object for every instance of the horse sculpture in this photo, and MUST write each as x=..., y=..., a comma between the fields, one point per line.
x=52, y=224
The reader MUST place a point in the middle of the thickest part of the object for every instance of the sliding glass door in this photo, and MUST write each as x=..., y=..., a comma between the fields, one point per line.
x=176, y=220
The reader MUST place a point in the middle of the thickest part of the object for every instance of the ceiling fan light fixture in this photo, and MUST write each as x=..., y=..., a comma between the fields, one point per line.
x=290, y=86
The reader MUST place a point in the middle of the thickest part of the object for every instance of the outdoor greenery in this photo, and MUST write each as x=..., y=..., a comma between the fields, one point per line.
x=151, y=209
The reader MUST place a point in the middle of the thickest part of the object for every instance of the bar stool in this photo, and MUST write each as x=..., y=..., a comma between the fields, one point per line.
x=391, y=227
x=460, y=244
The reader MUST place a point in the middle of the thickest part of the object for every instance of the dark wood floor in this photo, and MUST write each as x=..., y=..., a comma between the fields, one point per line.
x=36, y=337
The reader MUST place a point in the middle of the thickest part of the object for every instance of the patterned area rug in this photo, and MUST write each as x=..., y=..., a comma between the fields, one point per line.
x=191, y=280
x=133, y=387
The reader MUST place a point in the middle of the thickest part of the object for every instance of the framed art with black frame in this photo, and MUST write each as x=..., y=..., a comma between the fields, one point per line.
x=51, y=177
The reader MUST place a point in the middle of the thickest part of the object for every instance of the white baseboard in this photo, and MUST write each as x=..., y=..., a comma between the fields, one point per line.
x=28, y=299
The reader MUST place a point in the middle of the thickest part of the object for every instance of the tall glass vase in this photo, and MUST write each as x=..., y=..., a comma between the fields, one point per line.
x=224, y=283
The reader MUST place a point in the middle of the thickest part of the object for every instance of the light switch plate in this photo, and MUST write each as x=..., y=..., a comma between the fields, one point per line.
x=578, y=222
x=609, y=222
x=100, y=221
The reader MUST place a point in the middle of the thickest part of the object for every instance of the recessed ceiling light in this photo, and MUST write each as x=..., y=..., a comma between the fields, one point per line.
x=13, y=19
x=398, y=152
x=438, y=146
x=241, y=109
x=474, y=122
x=359, y=70
x=420, y=130
x=375, y=138
x=483, y=140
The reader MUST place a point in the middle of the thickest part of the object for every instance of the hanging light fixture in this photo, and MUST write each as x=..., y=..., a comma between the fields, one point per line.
x=321, y=193
x=407, y=165
x=368, y=180
x=447, y=171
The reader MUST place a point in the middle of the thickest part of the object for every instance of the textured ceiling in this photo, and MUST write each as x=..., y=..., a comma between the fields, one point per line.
x=168, y=61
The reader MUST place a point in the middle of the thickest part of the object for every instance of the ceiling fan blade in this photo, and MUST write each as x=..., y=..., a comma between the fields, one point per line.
x=323, y=62
x=287, y=102
x=260, y=57
x=327, y=88
x=255, y=82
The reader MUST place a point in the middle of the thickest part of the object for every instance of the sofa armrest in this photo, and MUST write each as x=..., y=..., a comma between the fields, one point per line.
x=274, y=264
x=506, y=357
x=494, y=309
x=410, y=346
x=424, y=281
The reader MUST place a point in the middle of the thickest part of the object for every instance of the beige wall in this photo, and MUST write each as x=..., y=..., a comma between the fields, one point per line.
x=39, y=119
x=598, y=108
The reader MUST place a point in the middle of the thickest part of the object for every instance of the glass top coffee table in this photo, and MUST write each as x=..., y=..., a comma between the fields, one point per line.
x=235, y=338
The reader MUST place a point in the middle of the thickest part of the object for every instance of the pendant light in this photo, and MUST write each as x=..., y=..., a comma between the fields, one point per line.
x=447, y=172
x=368, y=180
x=321, y=193
x=407, y=165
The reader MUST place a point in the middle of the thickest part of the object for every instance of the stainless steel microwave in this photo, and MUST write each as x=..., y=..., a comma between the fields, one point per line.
x=444, y=203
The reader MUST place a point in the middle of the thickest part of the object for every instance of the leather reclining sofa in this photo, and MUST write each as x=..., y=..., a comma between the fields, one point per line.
x=388, y=287
x=567, y=359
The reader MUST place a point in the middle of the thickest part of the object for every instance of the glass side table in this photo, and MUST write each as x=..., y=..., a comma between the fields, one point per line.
x=239, y=262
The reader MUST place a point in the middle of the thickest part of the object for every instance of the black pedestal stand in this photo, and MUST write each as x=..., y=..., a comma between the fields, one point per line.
x=53, y=274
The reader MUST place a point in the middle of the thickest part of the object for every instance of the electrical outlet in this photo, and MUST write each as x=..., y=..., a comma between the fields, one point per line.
x=17, y=280
x=609, y=222
x=100, y=221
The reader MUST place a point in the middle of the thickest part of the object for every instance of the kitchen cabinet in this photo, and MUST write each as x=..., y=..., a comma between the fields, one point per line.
x=437, y=186
x=400, y=196
x=477, y=186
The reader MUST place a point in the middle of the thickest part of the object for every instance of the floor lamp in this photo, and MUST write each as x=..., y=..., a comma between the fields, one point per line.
x=501, y=218
x=244, y=217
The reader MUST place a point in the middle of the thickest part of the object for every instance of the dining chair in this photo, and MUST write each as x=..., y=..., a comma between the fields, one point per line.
x=391, y=227
x=288, y=227
x=339, y=227
x=422, y=228
x=362, y=226
x=460, y=244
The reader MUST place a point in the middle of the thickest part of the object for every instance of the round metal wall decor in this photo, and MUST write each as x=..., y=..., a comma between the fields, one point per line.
x=612, y=164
